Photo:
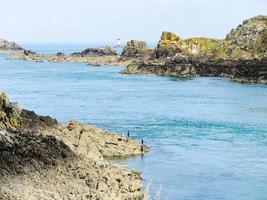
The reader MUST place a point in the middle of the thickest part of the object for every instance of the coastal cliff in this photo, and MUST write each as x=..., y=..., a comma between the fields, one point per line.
x=42, y=159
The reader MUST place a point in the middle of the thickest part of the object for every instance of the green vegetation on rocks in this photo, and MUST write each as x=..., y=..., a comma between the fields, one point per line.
x=248, y=40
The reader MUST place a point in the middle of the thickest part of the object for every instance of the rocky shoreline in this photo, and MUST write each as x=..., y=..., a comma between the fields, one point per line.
x=243, y=71
x=241, y=56
x=43, y=159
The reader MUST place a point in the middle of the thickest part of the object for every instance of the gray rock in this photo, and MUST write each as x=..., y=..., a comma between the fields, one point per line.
x=7, y=45
x=134, y=48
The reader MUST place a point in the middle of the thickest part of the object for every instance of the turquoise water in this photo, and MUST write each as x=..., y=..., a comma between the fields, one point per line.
x=208, y=136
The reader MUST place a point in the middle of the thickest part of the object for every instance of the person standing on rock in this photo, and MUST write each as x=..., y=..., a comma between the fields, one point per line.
x=142, y=145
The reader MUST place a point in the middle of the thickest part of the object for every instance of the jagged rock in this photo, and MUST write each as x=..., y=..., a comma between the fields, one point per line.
x=44, y=160
x=7, y=45
x=249, y=37
x=135, y=48
x=9, y=113
x=28, y=52
x=103, y=51
x=240, y=70
x=247, y=41
x=241, y=56
x=31, y=121
x=29, y=151
x=168, y=46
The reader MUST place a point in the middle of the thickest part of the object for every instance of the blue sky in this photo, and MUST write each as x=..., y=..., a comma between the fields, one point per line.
x=82, y=21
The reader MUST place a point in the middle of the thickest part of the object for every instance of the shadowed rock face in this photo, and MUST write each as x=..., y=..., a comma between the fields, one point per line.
x=41, y=159
x=6, y=45
x=21, y=148
x=31, y=121
x=26, y=152
x=250, y=71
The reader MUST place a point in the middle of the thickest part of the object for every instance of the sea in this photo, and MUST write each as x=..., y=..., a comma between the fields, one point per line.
x=207, y=135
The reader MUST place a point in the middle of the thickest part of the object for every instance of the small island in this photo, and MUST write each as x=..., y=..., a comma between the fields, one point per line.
x=241, y=56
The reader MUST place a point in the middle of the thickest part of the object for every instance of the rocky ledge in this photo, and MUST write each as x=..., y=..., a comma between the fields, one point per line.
x=133, y=51
x=42, y=159
x=91, y=56
x=240, y=70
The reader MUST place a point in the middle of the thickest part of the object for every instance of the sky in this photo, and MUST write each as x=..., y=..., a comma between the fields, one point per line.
x=85, y=21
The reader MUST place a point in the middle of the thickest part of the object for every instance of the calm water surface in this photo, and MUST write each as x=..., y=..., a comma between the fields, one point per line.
x=208, y=136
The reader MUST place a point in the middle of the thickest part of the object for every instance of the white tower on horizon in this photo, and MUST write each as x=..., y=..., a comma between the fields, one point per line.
x=118, y=42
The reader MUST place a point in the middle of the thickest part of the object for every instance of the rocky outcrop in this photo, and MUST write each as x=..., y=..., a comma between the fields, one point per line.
x=247, y=41
x=10, y=118
x=135, y=49
x=7, y=45
x=246, y=71
x=241, y=56
x=168, y=46
x=249, y=38
x=41, y=159
x=103, y=51
x=242, y=53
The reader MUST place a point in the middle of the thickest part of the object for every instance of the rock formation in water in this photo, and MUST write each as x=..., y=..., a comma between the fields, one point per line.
x=42, y=159
x=241, y=56
x=9, y=46
x=248, y=39
x=103, y=51
x=135, y=49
